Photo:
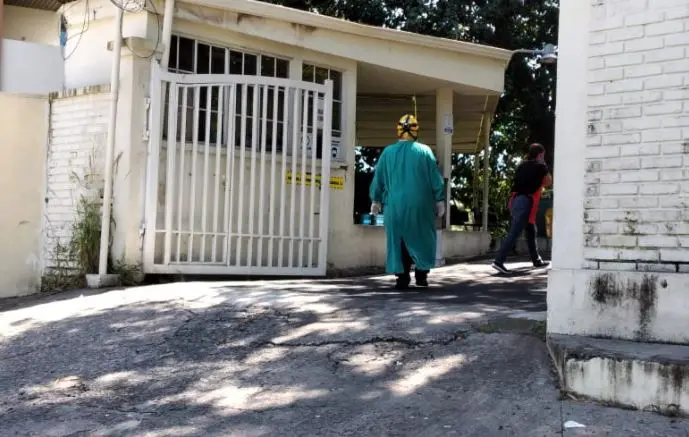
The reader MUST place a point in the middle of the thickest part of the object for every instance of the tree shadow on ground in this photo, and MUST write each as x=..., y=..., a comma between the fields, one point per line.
x=200, y=359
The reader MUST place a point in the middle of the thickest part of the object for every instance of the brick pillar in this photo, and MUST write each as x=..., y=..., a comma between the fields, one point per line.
x=621, y=225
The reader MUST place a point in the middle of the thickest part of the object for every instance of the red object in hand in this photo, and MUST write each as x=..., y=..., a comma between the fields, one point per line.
x=535, y=200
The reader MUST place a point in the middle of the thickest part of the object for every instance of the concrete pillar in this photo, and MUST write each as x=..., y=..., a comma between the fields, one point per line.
x=444, y=128
x=486, y=173
x=570, y=143
x=345, y=239
x=130, y=155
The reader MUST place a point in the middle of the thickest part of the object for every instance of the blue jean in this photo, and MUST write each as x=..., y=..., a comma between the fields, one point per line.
x=521, y=209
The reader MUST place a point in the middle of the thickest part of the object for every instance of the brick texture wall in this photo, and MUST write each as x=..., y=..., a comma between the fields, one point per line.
x=78, y=131
x=637, y=182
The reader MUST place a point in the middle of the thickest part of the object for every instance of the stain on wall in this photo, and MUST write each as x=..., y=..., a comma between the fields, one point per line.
x=607, y=290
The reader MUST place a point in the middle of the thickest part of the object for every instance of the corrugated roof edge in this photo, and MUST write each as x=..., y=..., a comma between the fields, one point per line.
x=44, y=5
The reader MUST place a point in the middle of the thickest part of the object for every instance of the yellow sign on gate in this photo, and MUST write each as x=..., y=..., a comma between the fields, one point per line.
x=336, y=182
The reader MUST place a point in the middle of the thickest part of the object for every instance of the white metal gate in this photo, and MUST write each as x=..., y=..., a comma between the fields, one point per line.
x=238, y=175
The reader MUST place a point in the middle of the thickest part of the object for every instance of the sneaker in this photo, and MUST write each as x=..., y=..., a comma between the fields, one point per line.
x=422, y=282
x=541, y=263
x=500, y=267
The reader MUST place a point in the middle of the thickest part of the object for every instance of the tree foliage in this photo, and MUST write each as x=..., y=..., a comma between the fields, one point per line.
x=526, y=111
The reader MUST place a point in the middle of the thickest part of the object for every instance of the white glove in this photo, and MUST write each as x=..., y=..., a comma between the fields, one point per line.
x=375, y=208
x=440, y=209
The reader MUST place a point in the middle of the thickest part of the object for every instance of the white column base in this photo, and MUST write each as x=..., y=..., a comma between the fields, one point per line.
x=102, y=281
x=439, y=252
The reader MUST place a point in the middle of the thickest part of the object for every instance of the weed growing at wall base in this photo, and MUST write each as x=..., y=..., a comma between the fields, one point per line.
x=64, y=274
x=85, y=241
x=80, y=255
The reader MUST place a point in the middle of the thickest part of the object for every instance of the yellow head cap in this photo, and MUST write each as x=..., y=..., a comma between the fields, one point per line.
x=407, y=128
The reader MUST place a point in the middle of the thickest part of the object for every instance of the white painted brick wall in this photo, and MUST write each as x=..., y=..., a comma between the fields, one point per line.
x=78, y=130
x=637, y=183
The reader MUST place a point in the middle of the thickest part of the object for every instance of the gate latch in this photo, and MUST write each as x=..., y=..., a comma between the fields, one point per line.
x=147, y=123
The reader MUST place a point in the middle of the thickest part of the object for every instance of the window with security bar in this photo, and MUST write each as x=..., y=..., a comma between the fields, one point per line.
x=189, y=56
x=317, y=74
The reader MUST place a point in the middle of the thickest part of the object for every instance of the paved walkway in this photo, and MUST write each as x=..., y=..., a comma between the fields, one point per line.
x=293, y=358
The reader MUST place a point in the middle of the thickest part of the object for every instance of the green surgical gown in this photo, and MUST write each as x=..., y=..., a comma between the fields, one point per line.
x=408, y=183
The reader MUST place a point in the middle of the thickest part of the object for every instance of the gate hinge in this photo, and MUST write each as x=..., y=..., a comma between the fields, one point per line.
x=147, y=133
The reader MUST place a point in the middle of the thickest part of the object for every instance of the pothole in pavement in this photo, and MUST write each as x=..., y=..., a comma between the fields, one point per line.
x=220, y=331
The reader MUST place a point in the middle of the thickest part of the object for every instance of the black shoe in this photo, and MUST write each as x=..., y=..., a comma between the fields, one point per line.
x=421, y=279
x=500, y=267
x=541, y=263
x=402, y=283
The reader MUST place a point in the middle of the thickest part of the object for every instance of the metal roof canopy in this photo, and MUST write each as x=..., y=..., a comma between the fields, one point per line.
x=44, y=5
x=474, y=71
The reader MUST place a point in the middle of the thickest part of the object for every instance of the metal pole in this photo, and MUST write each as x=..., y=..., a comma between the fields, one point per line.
x=475, y=187
x=168, y=15
x=109, y=150
x=486, y=174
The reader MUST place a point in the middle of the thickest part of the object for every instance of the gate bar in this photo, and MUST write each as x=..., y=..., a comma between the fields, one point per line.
x=325, y=179
x=295, y=141
x=180, y=189
x=194, y=160
x=242, y=164
x=262, y=174
x=314, y=155
x=252, y=174
x=218, y=154
x=273, y=179
x=170, y=172
x=229, y=173
x=304, y=160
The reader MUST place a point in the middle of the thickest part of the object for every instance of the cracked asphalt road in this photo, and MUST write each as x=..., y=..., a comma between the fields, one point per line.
x=289, y=358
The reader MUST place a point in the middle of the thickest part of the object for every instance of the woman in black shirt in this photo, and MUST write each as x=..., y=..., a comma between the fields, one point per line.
x=530, y=178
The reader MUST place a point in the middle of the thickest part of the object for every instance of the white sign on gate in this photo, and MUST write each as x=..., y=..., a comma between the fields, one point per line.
x=448, y=125
x=321, y=112
x=335, y=147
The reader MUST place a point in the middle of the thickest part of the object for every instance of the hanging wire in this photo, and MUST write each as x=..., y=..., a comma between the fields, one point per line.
x=140, y=5
x=125, y=6
x=86, y=23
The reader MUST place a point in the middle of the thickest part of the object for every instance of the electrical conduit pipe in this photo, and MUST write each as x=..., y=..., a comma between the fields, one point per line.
x=110, y=146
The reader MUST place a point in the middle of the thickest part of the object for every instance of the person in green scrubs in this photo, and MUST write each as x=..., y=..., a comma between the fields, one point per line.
x=408, y=184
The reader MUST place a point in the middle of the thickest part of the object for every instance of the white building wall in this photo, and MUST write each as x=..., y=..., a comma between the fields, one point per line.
x=622, y=129
x=23, y=135
x=87, y=59
x=78, y=131
x=31, y=59
x=30, y=68
x=31, y=25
